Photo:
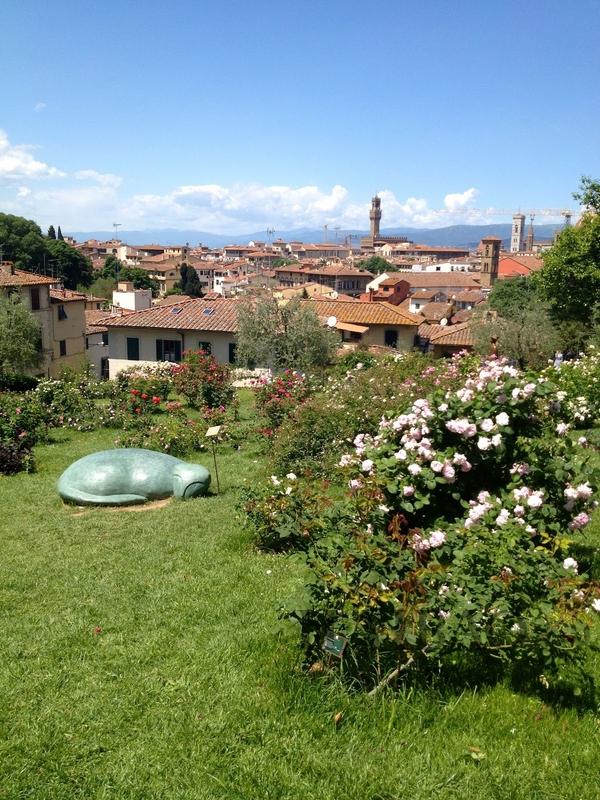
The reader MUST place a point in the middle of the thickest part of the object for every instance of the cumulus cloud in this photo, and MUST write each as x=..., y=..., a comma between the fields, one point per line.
x=17, y=162
x=459, y=200
x=39, y=107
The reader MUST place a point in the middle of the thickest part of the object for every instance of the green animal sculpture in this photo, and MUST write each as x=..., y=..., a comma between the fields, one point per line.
x=130, y=476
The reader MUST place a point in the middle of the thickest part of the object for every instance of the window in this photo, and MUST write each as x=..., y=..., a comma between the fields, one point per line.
x=62, y=347
x=232, y=352
x=87, y=343
x=35, y=298
x=206, y=346
x=105, y=339
x=133, y=348
x=62, y=314
x=168, y=350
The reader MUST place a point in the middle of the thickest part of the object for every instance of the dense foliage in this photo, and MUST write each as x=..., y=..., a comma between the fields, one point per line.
x=202, y=380
x=20, y=337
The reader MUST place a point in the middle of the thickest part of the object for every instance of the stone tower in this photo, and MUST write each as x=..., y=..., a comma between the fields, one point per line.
x=490, y=260
x=517, y=237
x=375, y=216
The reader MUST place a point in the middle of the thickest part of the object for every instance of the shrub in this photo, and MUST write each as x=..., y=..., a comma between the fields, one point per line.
x=155, y=380
x=22, y=425
x=316, y=433
x=285, y=514
x=202, y=380
x=175, y=435
x=277, y=397
x=578, y=385
x=66, y=405
x=465, y=507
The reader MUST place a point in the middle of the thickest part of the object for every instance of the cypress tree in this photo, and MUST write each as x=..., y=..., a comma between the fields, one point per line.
x=59, y=234
x=192, y=285
x=51, y=232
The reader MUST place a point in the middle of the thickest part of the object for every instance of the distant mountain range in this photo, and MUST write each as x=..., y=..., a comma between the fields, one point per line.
x=452, y=236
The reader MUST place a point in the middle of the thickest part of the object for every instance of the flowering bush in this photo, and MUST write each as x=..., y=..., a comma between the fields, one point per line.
x=578, y=388
x=65, y=405
x=318, y=431
x=22, y=425
x=154, y=380
x=277, y=397
x=464, y=508
x=202, y=380
x=174, y=434
x=286, y=513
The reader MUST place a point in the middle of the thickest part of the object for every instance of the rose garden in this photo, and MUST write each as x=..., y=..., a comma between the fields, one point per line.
x=398, y=582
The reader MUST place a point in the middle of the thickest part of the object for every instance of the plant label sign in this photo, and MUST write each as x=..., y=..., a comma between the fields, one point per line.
x=214, y=431
x=334, y=644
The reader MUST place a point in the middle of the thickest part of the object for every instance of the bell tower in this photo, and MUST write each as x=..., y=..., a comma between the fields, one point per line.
x=490, y=260
x=517, y=238
x=375, y=216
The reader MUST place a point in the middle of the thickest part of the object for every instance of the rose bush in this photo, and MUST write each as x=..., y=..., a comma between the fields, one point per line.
x=278, y=396
x=202, y=380
x=465, y=507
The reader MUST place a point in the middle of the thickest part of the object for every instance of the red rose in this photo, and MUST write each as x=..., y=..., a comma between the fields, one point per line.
x=144, y=396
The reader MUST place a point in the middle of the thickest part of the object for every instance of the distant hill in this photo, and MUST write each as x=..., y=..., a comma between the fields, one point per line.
x=452, y=236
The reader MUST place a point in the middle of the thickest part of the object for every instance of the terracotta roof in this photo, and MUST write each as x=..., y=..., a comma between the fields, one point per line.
x=460, y=335
x=328, y=269
x=21, y=278
x=360, y=313
x=510, y=265
x=443, y=280
x=197, y=314
x=92, y=322
x=472, y=296
x=172, y=299
x=66, y=296
x=437, y=311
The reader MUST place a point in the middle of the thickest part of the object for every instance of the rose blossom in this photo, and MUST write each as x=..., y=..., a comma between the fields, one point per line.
x=562, y=428
x=437, y=466
x=596, y=604
x=437, y=538
x=400, y=455
x=345, y=460
x=414, y=469
x=584, y=491
x=448, y=472
x=535, y=500
x=355, y=483
x=487, y=425
x=580, y=521
x=484, y=443
x=367, y=465
x=570, y=564
x=408, y=491
x=502, y=418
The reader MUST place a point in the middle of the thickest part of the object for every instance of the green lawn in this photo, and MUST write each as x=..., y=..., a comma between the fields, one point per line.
x=138, y=660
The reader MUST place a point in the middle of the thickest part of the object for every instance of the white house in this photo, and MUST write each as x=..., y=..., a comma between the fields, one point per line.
x=163, y=333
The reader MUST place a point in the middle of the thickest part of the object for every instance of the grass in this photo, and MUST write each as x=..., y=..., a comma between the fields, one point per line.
x=139, y=661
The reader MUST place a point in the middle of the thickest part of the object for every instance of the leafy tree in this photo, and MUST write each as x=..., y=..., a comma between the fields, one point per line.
x=140, y=279
x=510, y=297
x=589, y=194
x=20, y=337
x=59, y=235
x=73, y=268
x=288, y=336
x=190, y=285
x=284, y=262
x=112, y=267
x=22, y=242
x=529, y=336
x=376, y=265
x=101, y=287
x=570, y=276
x=51, y=232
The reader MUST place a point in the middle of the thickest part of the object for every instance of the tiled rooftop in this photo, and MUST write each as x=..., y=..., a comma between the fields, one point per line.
x=195, y=314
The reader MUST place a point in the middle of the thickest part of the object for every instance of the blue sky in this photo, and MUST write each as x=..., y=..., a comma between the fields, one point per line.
x=232, y=116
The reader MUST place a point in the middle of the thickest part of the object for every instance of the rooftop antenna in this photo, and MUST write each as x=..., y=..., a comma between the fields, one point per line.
x=270, y=232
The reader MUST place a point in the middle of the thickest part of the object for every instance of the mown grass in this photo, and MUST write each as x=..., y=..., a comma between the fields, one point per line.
x=139, y=661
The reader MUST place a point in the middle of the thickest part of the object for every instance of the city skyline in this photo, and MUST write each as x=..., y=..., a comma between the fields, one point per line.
x=236, y=118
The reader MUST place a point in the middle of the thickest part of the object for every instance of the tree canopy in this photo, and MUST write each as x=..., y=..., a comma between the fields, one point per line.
x=511, y=296
x=288, y=336
x=20, y=336
x=376, y=265
x=51, y=232
x=72, y=267
x=189, y=283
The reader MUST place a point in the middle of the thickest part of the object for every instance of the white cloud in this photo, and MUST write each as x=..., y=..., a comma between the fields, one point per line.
x=460, y=200
x=17, y=163
x=39, y=107
x=102, y=178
